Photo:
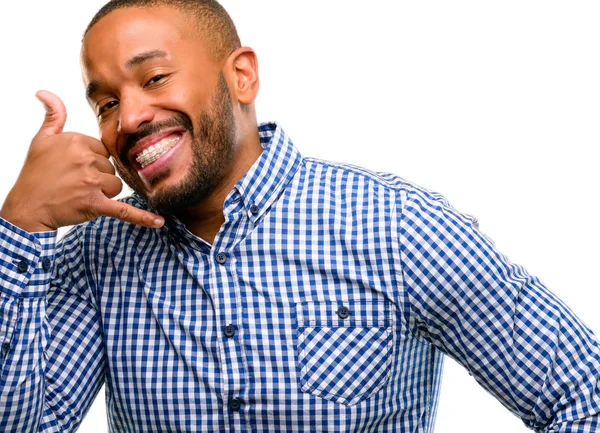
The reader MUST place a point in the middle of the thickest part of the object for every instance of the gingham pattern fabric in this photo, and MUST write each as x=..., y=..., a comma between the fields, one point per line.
x=324, y=304
x=343, y=356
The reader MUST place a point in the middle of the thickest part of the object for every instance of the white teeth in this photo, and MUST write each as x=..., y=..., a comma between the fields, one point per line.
x=154, y=152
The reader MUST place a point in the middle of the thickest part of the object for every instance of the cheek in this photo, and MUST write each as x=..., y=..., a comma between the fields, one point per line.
x=189, y=101
x=195, y=96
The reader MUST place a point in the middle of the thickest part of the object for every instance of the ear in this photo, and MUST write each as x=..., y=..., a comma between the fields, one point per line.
x=242, y=66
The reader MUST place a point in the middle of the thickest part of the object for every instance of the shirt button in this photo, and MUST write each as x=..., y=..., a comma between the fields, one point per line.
x=6, y=347
x=229, y=331
x=343, y=313
x=46, y=264
x=221, y=258
x=235, y=404
x=253, y=209
x=22, y=266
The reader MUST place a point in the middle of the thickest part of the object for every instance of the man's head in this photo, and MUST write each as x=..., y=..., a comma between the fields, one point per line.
x=211, y=19
x=173, y=92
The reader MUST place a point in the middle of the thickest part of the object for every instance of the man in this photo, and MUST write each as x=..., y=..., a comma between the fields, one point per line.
x=282, y=294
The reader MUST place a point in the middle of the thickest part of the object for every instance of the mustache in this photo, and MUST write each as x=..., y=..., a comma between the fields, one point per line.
x=179, y=119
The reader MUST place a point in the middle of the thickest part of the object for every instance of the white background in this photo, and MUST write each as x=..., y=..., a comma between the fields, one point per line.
x=494, y=104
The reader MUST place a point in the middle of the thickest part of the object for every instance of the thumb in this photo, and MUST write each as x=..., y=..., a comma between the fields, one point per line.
x=56, y=114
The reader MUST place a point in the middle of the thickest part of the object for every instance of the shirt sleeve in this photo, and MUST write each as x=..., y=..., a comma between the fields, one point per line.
x=51, y=353
x=515, y=337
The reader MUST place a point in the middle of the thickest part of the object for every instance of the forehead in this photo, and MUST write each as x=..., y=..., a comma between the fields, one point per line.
x=127, y=32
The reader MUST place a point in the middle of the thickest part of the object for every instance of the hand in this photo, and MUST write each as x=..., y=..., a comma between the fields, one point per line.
x=67, y=179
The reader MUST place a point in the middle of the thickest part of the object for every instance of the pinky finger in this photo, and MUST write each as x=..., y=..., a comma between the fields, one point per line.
x=126, y=212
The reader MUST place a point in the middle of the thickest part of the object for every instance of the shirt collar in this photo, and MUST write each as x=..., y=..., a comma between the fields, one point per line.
x=263, y=182
x=269, y=174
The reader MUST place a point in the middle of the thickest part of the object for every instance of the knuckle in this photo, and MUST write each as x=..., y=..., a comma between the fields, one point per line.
x=70, y=137
x=85, y=159
x=52, y=114
x=74, y=140
x=70, y=143
x=90, y=181
x=123, y=213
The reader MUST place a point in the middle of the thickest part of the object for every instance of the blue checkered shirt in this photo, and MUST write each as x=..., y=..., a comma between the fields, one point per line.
x=324, y=304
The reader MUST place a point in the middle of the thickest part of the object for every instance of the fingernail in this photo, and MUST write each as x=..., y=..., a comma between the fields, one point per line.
x=159, y=222
x=43, y=103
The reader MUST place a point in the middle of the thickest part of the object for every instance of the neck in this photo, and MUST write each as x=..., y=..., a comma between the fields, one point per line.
x=206, y=218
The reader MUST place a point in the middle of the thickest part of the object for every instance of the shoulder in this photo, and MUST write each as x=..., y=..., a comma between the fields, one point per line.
x=350, y=172
x=403, y=195
x=346, y=175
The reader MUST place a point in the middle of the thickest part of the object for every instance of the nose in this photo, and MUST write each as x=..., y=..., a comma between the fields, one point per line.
x=134, y=111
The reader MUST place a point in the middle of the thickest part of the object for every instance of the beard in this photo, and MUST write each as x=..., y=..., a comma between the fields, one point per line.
x=213, y=143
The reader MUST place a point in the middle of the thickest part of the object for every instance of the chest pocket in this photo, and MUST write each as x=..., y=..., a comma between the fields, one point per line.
x=344, y=348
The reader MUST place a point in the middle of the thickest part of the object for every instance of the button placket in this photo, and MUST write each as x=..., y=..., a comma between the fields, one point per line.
x=234, y=360
x=227, y=299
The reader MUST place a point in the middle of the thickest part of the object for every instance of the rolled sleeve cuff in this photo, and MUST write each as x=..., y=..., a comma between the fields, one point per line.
x=26, y=260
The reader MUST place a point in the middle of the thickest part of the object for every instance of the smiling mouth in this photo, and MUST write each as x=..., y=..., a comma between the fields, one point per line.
x=156, y=151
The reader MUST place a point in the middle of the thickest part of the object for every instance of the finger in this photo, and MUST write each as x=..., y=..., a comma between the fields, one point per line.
x=104, y=165
x=56, y=114
x=128, y=213
x=98, y=147
x=110, y=185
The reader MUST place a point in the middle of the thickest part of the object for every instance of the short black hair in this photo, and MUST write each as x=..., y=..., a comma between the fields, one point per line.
x=213, y=21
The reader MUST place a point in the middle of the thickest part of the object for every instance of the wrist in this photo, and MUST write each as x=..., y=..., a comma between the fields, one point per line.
x=22, y=218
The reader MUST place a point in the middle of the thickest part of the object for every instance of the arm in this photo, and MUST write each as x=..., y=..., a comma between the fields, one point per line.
x=52, y=361
x=51, y=342
x=518, y=340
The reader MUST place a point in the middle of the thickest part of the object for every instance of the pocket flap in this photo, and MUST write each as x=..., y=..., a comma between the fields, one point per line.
x=358, y=313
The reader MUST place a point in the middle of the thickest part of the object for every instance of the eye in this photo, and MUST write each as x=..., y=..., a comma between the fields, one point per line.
x=155, y=79
x=103, y=108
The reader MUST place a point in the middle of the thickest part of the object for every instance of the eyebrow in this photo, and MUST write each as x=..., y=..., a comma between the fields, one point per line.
x=94, y=86
x=144, y=57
